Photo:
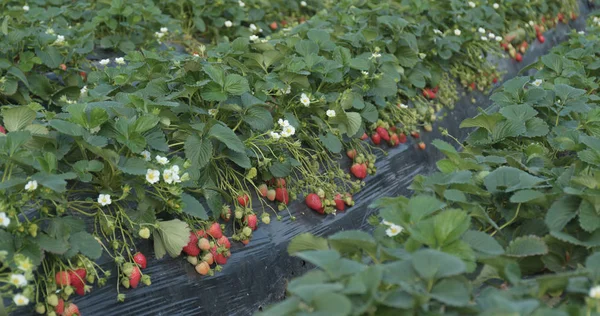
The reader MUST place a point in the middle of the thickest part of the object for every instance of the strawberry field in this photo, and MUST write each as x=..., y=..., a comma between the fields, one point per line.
x=351, y=157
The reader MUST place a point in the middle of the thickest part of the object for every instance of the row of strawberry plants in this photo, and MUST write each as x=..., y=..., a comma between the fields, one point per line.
x=508, y=225
x=128, y=152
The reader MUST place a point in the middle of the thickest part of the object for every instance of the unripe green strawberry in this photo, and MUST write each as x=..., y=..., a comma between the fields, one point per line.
x=266, y=218
x=192, y=260
x=144, y=233
x=52, y=300
x=125, y=282
x=247, y=231
x=40, y=308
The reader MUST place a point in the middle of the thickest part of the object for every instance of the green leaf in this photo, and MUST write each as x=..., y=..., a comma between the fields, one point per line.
x=307, y=47
x=258, y=118
x=354, y=123
x=55, y=182
x=518, y=112
x=553, y=61
x=145, y=123
x=50, y=56
x=53, y=245
x=240, y=159
x=525, y=196
x=509, y=179
x=228, y=137
x=526, y=246
x=192, y=207
x=331, y=142
x=133, y=166
x=16, y=119
x=562, y=212
x=86, y=244
x=452, y=292
x=483, y=120
x=450, y=225
x=67, y=127
x=281, y=169
x=592, y=263
x=215, y=73
x=433, y=264
x=172, y=235
x=198, y=151
x=482, y=242
x=236, y=84
x=305, y=242
x=589, y=220
x=421, y=206
x=333, y=304
x=352, y=240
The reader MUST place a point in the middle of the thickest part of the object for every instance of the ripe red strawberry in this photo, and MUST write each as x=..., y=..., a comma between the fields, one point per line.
x=376, y=138
x=2, y=130
x=71, y=310
x=201, y=233
x=271, y=195
x=263, y=190
x=80, y=290
x=383, y=133
x=351, y=153
x=393, y=129
x=281, y=195
x=136, y=276
x=273, y=26
x=204, y=244
x=77, y=279
x=561, y=17
x=83, y=75
x=541, y=38
x=394, y=140
x=518, y=57
x=60, y=308
x=63, y=67
x=421, y=145
x=472, y=86
x=243, y=199
x=251, y=220
x=313, y=201
x=140, y=259
x=504, y=45
x=495, y=80
x=280, y=183
x=339, y=202
x=402, y=138
x=62, y=278
x=415, y=134
x=218, y=257
x=224, y=241
x=363, y=137
x=191, y=249
x=215, y=230
x=359, y=170
x=284, y=23
x=436, y=89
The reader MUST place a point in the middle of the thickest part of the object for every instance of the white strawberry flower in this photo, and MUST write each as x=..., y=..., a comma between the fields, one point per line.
x=481, y=30
x=120, y=61
x=596, y=19
x=60, y=39
x=104, y=199
x=228, y=23
x=537, y=82
x=20, y=300
x=457, y=32
x=146, y=155
x=159, y=35
x=164, y=30
x=496, y=6
x=253, y=27
x=288, y=89
x=162, y=160
x=472, y=4
x=18, y=280
x=4, y=220
x=498, y=38
x=31, y=186
x=50, y=31
x=25, y=8
x=483, y=38
x=403, y=106
x=241, y=3
x=283, y=123
x=394, y=230
x=436, y=31
x=595, y=292
x=213, y=112
x=384, y=222
x=275, y=135
x=104, y=62
x=304, y=99
x=492, y=35
x=581, y=32
x=152, y=176
x=288, y=131
x=168, y=176
x=23, y=264
x=83, y=90
x=365, y=73
x=303, y=3
x=330, y=113
x=531, y=23
x=375, y=55
x=253, y=38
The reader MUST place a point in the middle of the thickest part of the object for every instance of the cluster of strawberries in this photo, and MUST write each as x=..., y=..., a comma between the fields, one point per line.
x=319, y=202
x=206, y=247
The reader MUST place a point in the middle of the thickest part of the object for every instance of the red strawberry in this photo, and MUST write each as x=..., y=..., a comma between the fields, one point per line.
x=402, y=138
x=243, y=199
x=80, y=290
x=541, y=38
x=359, y=170
x=2, y=130
x=251, y=220
x=472, y=86
x=62, y=278
x=518, y=57
x=376, y=138
x=393, y=129
x=436, y=89
x=495, y=80
x=63, y=67
x=383, y=133
x=313, y=201
x=201, y=233
x=504, y=45
x=421, y=145
x=560, y=17
x=140, y=259
x=415, y=134
x=135, y=277
x=394, y=140
x=83, y=75
x=263, y=190
x=280, y=183
x=218, y=257
x=271, y=195
x=281, y=195
x=573, y=16
x=351, y=153
x=339, y=202
x=77, y=279
x=191, y=249
x=215, y=231
x=273, y=26
x=71, y=310
x=245, y=241
x=224, y=241
x=60, y=308
x=284, y=23
x=363, y=137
